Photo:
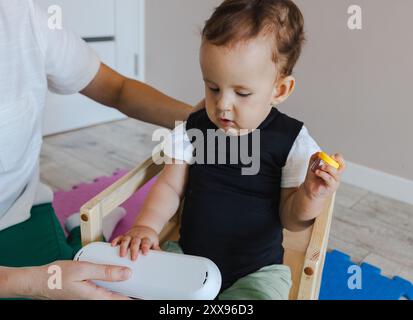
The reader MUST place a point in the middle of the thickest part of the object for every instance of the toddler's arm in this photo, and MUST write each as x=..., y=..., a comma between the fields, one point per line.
x=300, y=206
x=159, y=207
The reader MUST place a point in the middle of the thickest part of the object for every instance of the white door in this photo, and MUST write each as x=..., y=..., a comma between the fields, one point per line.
x=115, y=29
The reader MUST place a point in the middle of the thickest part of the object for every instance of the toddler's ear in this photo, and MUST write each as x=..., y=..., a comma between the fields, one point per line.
x=284, y=88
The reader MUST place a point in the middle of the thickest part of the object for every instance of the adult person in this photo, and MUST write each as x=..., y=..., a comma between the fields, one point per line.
x=33, y=59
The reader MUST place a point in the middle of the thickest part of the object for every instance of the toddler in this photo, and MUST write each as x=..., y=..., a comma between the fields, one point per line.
x=248, y=52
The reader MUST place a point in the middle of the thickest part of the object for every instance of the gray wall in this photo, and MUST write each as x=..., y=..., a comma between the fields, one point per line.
x=173, y=38
x=354, y=87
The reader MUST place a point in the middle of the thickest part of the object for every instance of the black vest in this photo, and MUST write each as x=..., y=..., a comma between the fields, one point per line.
x=233, y=219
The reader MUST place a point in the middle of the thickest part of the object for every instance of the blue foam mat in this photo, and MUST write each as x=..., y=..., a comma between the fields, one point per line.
x=374, y=286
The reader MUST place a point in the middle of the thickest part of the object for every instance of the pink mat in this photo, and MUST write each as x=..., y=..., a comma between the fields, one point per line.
x=66, y=203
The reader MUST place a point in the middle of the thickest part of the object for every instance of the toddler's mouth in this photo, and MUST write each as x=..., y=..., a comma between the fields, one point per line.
x=226, y=123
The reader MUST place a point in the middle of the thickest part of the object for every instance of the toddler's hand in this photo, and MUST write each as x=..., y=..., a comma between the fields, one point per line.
x=325, y=180
x=139, y=237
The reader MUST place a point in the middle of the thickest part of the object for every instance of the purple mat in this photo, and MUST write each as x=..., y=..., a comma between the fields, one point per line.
x=66, y=203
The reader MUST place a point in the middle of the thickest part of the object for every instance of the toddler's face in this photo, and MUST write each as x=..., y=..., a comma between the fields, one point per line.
x=240, y=83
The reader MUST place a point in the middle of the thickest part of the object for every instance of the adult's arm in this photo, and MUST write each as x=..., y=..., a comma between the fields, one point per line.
x=136, y=99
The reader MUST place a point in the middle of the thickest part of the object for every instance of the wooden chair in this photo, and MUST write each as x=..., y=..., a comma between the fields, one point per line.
x=304, y=251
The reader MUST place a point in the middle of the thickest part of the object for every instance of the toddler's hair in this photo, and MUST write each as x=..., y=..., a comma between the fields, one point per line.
x=242, y=20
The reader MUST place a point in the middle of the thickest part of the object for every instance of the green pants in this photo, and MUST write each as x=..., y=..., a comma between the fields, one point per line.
x=37, y=241
x=269, y=283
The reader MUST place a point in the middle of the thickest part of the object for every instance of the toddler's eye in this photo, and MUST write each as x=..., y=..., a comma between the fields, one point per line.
x=214, y=89
x=244, y=95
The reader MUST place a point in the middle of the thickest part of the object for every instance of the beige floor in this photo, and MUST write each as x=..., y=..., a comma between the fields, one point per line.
x=366, y=226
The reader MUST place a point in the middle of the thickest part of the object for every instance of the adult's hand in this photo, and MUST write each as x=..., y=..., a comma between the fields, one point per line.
x=75, y=280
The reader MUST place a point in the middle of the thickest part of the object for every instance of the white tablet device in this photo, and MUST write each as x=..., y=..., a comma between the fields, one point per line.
x=158, y=275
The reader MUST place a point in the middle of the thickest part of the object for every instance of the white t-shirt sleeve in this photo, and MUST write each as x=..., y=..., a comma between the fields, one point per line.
x=178, y=146
x=295, y=169
x=70, y=63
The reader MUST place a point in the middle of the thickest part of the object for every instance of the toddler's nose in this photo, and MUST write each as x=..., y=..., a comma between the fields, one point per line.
x=224, y=104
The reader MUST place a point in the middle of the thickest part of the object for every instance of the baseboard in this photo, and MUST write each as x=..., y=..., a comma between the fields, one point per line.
x=379, y=182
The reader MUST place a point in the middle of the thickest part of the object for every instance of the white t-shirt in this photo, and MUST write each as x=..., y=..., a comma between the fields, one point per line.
x=178, y=146
x=33, y=58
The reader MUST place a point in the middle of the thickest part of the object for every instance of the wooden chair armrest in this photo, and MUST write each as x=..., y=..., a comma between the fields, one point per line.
x=93, y=212
x=315, y=255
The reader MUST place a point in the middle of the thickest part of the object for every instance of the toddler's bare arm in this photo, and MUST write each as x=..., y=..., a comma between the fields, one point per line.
x=159, y=207
x=300, y=206
x=164, y=198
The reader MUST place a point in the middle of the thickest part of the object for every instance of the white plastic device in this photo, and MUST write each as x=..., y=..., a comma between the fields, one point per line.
x=158, y=275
